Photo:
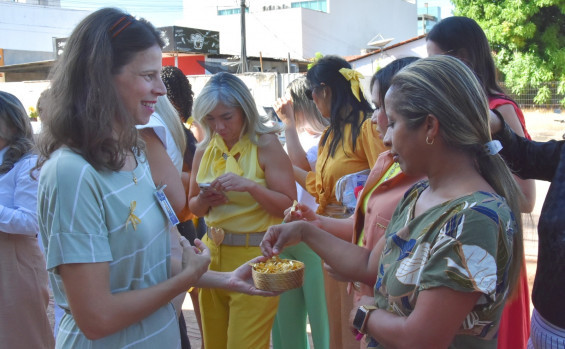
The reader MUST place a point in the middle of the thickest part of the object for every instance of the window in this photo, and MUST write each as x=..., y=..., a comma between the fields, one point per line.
x=231, y=11
x=319, y=5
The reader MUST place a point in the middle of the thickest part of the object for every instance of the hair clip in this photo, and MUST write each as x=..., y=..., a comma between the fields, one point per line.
x=127, y=18
x=493, y=147
x=353, y=77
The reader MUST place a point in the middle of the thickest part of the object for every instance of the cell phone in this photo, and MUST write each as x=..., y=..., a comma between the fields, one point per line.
x=272, y=113
x=208, y=186
x=204, y=186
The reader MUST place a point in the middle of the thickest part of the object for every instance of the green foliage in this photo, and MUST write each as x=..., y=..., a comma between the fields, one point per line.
x=317, y=57
x=527, y=37
x=33, y=114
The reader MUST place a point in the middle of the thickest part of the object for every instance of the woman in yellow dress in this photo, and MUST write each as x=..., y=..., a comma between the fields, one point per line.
x=350, y=144
x=243, y=185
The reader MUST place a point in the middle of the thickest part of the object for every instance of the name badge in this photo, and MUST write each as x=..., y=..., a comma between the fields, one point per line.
x=166, y=206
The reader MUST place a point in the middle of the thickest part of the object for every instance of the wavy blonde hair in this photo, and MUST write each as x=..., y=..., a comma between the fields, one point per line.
x=231, y=91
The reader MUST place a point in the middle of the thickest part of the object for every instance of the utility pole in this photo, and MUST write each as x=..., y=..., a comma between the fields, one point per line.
x=424, y=19
x=243, y=49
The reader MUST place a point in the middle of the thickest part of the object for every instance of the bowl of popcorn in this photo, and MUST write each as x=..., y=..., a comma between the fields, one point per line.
x=276, y=274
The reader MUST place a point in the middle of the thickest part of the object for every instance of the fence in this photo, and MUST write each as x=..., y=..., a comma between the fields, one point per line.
x=526, y=98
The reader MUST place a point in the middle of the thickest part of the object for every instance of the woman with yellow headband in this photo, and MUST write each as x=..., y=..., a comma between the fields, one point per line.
x=350, y=144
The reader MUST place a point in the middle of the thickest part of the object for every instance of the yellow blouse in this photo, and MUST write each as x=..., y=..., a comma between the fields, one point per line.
x=241, y=214
x=321, y=184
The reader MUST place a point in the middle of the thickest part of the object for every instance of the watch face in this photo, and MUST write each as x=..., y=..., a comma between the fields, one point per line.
x=359, y=319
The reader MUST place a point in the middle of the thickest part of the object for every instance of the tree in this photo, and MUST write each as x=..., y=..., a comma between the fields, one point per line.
x=527, y=38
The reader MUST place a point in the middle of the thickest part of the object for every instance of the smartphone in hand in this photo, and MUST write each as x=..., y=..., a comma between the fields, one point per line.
x=208, y=186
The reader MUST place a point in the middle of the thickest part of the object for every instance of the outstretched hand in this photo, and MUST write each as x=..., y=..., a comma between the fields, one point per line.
x=241, y=280
x=279, y=236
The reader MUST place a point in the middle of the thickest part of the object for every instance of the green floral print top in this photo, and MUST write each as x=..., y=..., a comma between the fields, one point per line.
x=464, y=244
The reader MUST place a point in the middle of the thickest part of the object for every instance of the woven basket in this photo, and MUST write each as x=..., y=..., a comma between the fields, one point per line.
x=279, y=281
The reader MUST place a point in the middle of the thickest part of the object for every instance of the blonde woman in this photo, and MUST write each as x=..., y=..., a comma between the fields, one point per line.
x=242, y=186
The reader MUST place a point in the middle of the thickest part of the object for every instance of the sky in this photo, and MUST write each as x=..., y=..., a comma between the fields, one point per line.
x=167, y=12
x=160, y=13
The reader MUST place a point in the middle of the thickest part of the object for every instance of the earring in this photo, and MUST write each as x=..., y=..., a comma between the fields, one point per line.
x=428, y=142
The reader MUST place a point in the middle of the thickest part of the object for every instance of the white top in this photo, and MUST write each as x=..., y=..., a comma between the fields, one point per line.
x=310, y=143
x=166, y=137
x=18, y=197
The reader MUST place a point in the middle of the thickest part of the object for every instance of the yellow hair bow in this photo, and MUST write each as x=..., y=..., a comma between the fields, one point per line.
x=353, y=77
x=132, y=218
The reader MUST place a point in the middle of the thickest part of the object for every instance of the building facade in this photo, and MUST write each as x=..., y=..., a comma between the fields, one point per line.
x=299, y=29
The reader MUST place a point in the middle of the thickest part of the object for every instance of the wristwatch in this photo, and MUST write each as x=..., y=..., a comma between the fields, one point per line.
x=360, y=320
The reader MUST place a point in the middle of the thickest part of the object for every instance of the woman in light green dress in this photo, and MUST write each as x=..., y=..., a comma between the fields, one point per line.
x=106, y=235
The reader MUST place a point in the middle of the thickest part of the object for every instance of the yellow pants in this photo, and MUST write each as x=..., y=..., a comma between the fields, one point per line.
x=233, y=320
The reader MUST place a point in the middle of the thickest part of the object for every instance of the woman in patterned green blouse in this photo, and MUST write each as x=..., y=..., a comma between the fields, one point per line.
x=451, y=253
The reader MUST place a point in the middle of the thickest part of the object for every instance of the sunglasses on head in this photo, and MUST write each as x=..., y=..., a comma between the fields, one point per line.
x=309, y=91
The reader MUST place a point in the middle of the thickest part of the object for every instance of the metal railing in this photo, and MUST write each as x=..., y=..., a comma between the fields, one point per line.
x=525, y=99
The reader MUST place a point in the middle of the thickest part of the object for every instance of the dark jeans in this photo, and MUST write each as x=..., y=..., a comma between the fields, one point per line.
x=185, y=343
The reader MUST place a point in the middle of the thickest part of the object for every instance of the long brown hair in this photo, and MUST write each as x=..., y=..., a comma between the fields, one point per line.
x=82, y=109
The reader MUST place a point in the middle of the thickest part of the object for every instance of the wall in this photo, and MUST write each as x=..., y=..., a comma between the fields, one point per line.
x=347, y=28
x=265, y=87
x=369, y=64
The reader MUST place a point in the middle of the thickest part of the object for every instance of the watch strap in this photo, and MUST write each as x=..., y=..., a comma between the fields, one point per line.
x=368, y=309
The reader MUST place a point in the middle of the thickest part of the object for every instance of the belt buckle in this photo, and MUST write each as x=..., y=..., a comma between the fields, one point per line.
x=217, y=235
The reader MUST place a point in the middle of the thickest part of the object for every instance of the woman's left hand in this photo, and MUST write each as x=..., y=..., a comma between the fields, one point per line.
x=232, y=182
x=241, y=280
x=365, y=300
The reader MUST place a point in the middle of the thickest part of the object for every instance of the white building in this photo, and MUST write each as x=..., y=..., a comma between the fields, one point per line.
x=27, y=29
x=277, y=28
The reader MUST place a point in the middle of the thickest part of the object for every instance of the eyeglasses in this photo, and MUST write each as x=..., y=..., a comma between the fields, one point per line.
x=309, y=91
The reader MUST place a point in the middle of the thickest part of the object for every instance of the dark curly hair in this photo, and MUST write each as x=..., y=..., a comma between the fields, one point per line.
x=179, y=91
x=15, y=129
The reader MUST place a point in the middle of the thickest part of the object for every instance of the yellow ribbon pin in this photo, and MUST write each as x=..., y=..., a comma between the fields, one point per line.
x=132, y=218
x=353, y=77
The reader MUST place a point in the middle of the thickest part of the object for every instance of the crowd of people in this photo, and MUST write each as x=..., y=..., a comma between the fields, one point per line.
x=140, y=194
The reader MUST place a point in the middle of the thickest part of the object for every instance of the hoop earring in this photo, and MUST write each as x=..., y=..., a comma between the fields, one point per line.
x=428, y=142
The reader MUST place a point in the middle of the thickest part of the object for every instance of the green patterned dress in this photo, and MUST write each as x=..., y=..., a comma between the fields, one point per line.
x=464, y=244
